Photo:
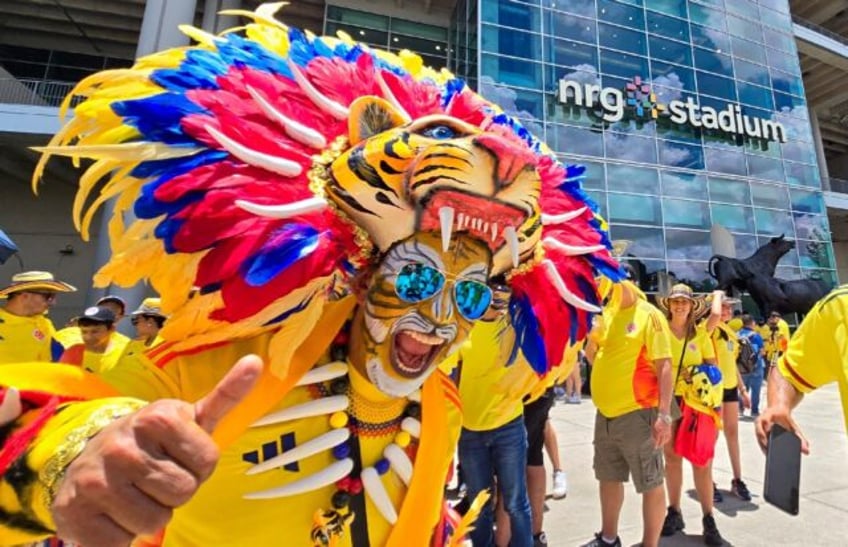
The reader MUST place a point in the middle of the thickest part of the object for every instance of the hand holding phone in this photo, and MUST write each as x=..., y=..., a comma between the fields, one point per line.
x=783, y=470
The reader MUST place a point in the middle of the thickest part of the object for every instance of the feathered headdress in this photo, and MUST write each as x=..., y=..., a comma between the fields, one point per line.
x=216, y=156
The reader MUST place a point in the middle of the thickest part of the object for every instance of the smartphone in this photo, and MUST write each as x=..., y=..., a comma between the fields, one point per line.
x=783, y=470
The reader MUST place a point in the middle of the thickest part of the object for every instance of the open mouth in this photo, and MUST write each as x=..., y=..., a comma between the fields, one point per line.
x=413, y=352
x=485, y=218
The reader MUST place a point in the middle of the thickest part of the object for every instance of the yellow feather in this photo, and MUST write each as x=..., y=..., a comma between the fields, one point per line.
x=87, y=182
x=174, y=278
x=200, y=36
x=466, y=525
x=255, y=17
x=169, y=58
x=120, y=183
x=274, y=39
x=132, y=151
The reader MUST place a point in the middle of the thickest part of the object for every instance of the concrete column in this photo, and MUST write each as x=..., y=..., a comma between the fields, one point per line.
x=215, y=23
x=817, y=142
x=158, y=31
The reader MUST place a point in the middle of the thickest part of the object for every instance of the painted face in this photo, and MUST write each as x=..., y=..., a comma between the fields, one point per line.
x=420, y=305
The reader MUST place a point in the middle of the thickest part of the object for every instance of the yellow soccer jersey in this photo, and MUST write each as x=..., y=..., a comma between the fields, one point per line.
x=24, y=339
x=623, y=374
x=68, y=336
x=97, y=363
x=735, y=324
x=818, y=351
x=478, y=368
x=726, y=346
x=698, y=349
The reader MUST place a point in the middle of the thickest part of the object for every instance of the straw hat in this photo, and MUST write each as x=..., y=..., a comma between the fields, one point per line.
x=681, y=290
x=150, y=306
x=35, y=281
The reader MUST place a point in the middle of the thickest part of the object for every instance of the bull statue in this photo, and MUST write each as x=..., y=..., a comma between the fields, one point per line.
x=785, y=296
x=731, y=273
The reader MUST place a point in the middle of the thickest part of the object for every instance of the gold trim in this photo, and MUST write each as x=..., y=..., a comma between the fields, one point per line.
x=54, y=469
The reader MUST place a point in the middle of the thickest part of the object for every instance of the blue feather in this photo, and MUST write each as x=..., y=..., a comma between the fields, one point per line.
x=288, y=313
x=158, y=118
x=290, y=244
x=527, y=334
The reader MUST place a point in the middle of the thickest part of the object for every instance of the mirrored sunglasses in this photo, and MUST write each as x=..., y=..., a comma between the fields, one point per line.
x=416, y=282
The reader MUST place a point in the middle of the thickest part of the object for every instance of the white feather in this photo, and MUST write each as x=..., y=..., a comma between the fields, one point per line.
x=330, y=371
x=326, y=104
x=564, y=293
x=286, y=210
x=327, y=476
x=295, y=130
x=562, y=218
x=318, y=444
x=571, y=250
x=281, y=166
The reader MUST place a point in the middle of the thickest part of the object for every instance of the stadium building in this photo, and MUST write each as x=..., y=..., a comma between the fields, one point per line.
x=704, y=125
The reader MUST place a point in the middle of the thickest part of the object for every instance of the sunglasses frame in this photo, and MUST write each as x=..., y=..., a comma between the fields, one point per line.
x=445, y=276
x=46, y=295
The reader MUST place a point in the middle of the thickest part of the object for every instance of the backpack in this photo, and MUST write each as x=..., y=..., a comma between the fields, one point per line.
x=747, y=357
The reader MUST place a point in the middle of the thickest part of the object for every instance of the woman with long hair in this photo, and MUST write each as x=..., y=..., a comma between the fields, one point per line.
x=726, y=342
x=690, y=346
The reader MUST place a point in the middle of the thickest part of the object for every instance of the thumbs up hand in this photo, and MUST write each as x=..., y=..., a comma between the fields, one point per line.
x=137, y=470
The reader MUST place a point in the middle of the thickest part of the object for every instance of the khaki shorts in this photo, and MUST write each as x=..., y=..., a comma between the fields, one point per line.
x=624, y=447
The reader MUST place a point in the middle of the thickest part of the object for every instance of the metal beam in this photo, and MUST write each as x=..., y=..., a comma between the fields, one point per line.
x=826, y=11
x=38, y=38
x=821, y=78
x=94, y=19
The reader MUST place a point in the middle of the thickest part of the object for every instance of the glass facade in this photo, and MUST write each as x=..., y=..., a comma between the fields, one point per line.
x=663, y=183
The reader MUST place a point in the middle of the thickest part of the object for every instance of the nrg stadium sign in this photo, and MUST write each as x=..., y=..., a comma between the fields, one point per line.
x=638, y=99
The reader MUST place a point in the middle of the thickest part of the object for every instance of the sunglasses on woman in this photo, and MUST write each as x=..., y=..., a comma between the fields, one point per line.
x=416, y=282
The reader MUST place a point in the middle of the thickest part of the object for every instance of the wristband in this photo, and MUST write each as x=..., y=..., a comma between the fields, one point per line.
x=665, y=417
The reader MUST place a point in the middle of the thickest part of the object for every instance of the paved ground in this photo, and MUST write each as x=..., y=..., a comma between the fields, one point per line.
x=823, y=518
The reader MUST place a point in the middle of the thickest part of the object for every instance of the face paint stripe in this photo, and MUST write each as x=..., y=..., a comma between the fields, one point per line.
x=344, y=196
x=449, y=156
x=415, y=185
x=358, y=165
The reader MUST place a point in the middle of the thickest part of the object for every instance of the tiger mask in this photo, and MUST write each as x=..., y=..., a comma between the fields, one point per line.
x=439, y=174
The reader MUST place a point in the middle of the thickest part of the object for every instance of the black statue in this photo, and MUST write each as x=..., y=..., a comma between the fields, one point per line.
x=795, y=296
x=731, y=273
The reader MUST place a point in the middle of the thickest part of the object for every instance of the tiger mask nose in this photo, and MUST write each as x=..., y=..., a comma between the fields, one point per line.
x=512, y=157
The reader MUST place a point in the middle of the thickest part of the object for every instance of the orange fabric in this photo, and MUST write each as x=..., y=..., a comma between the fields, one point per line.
x=59, y=379
x=73, y=355
x=646, y=390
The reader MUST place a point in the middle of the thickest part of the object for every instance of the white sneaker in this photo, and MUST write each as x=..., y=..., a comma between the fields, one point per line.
x=560, y=489
x=574, y=399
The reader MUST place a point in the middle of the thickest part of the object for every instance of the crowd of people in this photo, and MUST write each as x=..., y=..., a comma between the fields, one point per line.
x=639, y=356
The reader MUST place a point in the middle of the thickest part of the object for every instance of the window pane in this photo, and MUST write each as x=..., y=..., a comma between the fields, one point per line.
x=768, y=195
x=669, y=7
x=628, y=16
x=733, y=217
x=750, y=72
x=746, y=8
x=576, y=28
x=775, y=19
x=706, y=16
x=621, y=38
x=671, y=51
x=593, y=176
x=748, y=50
x=737, y=26
x=669, y=27
x=671, y=76
x=688, y=244
x=686, y=213
x=710, y=84
x=637, y=180
x=599, y=198
x=799, y=151
x=782, y=100
x=630, y=147
x=623, y=65
x=765, y=168
x=798, y=174
x=633, y=209
x=679, y=184
x=729, y=191
x=779, y=40
x=725, y=161
x=692, y=273
x=510, y=71
x=576, y=140
x=710, y=38
x=805, y=201
x=782, y=61
x=746, y=245
x=815, y=254
x=414, y=28
x=511, y=42
x=572, y=54
x=773, y=223
x=809, y=226
x=357, y=18
x=511, y=14
x=712, y=61
x=580, y=7
x=645, y=242
x=676, y=154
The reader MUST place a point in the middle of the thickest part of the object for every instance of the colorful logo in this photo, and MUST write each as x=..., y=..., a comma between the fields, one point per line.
x=642, y=100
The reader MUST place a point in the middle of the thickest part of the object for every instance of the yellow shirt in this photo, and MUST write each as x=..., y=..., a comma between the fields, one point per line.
x=735, y=324
x=478, y=368
x=698, y=349
x=818, y=351
x=25, y=339
x=98, y=363
x=623, y=375
x=775, y=341
x=68, y=336
x=137, y=346
x=726, y=346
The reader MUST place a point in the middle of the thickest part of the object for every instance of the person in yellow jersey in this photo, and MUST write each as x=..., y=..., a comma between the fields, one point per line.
x=630, y=353
x=26, y=333
x=117, y=306
x=147, y=320
x=726, y=344
x=100, y=350
x=735, y=322
x=775, y=333
x=690, y=346
x=493, y=439
x=817, y=355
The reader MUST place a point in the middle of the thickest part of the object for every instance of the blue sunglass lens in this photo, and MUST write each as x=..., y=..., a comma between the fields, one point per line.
x=417, y=282
x=472, y=298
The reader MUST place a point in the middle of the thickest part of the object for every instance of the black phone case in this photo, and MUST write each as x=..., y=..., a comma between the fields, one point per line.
x=783, y=470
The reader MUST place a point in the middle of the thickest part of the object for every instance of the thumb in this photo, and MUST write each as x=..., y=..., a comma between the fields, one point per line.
x=228, y=393
x=10, y=408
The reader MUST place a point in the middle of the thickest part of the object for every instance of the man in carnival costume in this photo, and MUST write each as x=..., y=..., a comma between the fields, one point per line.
x=341, y=210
